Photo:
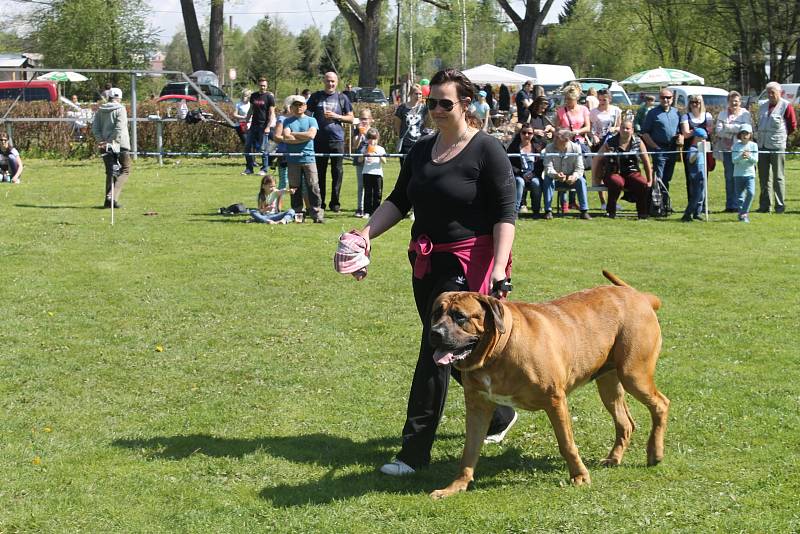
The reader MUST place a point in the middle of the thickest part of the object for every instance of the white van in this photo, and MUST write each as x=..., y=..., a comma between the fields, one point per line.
x=549, y=76
x=789, y=91
x=712, y=96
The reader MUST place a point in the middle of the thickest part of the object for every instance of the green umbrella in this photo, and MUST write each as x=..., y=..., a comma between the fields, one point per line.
x=62, y=76
x=661, y=77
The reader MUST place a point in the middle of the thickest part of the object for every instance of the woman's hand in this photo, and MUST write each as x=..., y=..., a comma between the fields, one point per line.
x=498, y=275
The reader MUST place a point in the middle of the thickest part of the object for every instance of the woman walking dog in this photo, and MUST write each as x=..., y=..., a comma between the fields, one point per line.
x=460, y=185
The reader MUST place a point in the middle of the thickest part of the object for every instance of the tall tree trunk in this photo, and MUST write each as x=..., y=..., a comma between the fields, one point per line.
x=193, y=37
x=796, y=76
x=216, y=58
x=528, y=27
x=364, y=22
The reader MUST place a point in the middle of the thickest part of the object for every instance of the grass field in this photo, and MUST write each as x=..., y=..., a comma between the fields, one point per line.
x=185, y=372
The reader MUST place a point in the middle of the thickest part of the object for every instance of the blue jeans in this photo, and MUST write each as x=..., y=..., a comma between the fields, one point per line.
x=255, y=139
x=360, y=188
x=287, y=216
x=535, y=187
x=283, y=175
x=550, y=186
x=664, y=165
x=694, y=208
x=745, y=191
x=731, y=190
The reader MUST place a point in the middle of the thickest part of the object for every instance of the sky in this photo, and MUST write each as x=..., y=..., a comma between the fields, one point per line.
x=166, y=14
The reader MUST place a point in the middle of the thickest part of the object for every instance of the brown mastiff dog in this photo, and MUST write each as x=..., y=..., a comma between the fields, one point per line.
x=532, y=356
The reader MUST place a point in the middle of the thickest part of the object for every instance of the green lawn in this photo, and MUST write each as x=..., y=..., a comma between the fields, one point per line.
x=282, y=385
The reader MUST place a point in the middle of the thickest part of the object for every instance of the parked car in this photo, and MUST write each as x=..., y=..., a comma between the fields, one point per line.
x=713, y=97
x=178, y=98
x=789, y=91
x=371, y=95
x=30, y=90
x=618, y=95
x=551, y=77
x=183, y=88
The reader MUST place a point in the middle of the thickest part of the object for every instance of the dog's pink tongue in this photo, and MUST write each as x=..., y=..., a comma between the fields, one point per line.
x=443, y=357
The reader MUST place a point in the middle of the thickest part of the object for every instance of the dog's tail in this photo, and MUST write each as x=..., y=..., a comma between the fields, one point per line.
x=655, y=302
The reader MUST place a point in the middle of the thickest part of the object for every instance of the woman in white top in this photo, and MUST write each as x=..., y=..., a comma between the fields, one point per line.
x=242, y=107
x=605, y=119
x=729, y=123
x=592, y=100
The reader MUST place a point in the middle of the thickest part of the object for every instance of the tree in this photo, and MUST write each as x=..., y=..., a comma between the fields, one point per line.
x=365, y=24
x=194, y=39
x=529, y=26
x=271, y=52
x=94, y=34
x=310, y=44
x=177, y=54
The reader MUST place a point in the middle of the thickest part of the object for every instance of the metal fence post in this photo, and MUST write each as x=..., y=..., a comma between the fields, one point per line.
x=160, y=141
x=135, y=137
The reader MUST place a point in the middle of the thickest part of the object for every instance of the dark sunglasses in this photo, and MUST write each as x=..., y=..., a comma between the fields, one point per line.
x=665, y=97
x=443, y=103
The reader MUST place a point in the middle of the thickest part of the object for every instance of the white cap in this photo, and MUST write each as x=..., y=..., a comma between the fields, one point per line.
x=115, y=92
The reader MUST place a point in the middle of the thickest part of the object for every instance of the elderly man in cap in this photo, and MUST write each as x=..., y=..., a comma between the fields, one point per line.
x=110, y=129
x=776, y=122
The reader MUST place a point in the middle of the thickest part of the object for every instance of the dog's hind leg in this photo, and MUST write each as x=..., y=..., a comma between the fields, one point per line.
x=640, y=383
x=613, y=396
x=558, y=412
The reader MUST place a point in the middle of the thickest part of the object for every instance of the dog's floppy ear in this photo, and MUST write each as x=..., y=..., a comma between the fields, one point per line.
x=495, y=307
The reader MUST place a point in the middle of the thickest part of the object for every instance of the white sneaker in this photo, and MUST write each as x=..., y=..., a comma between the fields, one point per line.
x=497, y=438
x=397, y=468
x=523, y=209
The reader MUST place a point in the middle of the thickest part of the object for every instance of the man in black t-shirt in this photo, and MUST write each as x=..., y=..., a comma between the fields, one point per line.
x=349, y=93
x=260, y=114
x=331, y=109
x=523, y=100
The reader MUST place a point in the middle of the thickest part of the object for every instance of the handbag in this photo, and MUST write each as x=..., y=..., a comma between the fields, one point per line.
x=711, y=162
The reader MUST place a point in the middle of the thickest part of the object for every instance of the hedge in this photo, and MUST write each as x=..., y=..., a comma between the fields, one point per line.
x=55, y=139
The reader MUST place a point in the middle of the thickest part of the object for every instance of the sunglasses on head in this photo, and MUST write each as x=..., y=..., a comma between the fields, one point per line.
x=443, y=103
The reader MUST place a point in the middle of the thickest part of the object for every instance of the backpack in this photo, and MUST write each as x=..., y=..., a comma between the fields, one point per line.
x=660, y=204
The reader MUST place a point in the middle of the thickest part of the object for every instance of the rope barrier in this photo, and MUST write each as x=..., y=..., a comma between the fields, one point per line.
x=349, y=155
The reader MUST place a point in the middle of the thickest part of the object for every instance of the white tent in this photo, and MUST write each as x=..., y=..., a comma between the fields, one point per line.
x=494, y=75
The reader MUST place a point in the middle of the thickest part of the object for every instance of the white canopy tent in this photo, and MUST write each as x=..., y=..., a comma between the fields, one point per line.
x=494, y=75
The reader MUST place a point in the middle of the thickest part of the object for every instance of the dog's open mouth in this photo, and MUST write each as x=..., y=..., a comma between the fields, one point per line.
x=446, y=356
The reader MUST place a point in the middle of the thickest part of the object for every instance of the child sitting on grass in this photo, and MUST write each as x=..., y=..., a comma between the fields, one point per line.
x=745, y=157
x=696, y=164
x=373, y=172
x=269, y=204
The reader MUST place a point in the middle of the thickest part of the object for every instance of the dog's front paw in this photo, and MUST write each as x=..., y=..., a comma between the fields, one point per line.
x=611, y=461
x=581, y=479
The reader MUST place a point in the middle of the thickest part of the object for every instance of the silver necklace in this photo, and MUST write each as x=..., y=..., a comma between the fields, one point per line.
x=452, y=147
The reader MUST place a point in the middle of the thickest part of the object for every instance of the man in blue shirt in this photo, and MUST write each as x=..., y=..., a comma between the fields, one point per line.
x=661, y=133
x=331, y=109
x=299, y=131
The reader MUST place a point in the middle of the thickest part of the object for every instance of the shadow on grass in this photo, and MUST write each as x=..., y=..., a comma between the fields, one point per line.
x=336, y=453
x=63, y=207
